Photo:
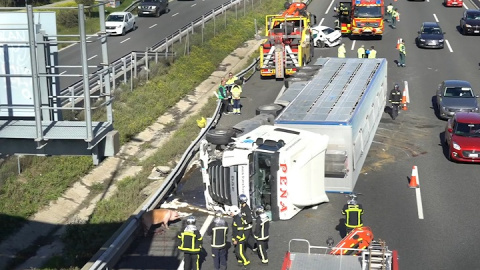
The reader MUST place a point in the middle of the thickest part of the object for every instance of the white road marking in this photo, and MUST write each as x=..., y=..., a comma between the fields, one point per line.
x=124, y=40
x=419, y=203
x=435, y=16
x=63, y=72
x=321, y=21
x=152, y=26
x=448, y=45
x=353, y=45
x=193, y=5
x=329, y=6
x=465, y=6
x=92, y=57
x=175, y=14
x=202, y=232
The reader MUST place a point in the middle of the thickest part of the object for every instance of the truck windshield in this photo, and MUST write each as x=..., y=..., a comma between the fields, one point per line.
x=367, y=12
x=260, y=180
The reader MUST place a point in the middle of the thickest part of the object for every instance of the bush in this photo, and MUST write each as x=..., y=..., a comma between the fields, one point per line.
x=68, y=18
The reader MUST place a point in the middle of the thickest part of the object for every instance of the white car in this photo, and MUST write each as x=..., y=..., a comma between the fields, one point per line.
x=324, y=36
x=119, y=23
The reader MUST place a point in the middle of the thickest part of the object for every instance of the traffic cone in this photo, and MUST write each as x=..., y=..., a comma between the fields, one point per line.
x=398, y=43
x=404, y=100
x=413, y=180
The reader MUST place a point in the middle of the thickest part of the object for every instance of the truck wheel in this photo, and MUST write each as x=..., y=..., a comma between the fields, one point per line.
x=273, y=109
x=320, y=44
x=219, y=136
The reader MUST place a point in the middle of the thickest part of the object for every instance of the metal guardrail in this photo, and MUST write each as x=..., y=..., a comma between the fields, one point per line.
x=118, y=243
x=124, y=63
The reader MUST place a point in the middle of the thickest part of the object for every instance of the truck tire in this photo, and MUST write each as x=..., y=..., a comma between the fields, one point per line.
x=219, y=136
x=273, y=109
x=320, y=44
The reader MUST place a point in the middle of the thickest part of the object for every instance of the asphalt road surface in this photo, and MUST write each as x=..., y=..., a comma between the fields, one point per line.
x=150, y=30
x=446, y=237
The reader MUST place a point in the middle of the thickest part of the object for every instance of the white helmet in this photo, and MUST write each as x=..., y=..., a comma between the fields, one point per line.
x=259, y=210
x=234, y=210
x=191, y=220
x=243, y=198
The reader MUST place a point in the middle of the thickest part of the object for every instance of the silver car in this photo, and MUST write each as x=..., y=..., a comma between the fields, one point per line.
x=455, y=96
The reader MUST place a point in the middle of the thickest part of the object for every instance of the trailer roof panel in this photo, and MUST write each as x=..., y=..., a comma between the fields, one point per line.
x=332, y=94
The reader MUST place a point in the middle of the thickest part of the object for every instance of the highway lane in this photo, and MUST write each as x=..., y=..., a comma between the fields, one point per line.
x=150, y=30
x=446, y=236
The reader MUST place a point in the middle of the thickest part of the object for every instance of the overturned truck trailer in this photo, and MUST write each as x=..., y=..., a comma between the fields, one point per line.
x=314, y=139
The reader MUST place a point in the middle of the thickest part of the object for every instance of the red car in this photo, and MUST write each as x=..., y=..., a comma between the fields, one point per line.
x=462, y=136
x=453, y=3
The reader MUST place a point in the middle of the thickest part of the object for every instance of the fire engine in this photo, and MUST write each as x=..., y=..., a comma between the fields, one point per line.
x=361, y=17
x=288, y=44
x=357, y=251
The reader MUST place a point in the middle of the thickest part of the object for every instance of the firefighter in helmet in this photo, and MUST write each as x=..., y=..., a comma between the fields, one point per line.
x=353, y=212
x=191, y=244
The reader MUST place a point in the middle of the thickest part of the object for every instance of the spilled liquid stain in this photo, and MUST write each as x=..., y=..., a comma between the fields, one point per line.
x=399, y=139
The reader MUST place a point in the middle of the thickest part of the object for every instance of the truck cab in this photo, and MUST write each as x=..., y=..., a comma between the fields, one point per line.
x=273, y=166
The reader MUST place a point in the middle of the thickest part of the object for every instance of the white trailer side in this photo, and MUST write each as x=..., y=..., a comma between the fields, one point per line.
x=345, y=100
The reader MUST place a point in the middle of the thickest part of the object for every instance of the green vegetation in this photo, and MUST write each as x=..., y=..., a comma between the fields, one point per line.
x=45, y=179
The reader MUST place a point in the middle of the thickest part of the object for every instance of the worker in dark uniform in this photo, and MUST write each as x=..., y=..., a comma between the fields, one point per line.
x=191, y=244
x=353, y=215
x=248, y=219
x=395, y=99
x=261, y=233
x=238, y=236
x=218, y=231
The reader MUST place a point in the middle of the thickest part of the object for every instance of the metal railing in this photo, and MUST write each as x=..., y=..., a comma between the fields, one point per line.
x=125, y=235
x=130, y=61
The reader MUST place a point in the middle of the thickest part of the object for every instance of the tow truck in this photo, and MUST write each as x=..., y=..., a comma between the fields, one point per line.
x=288, y=44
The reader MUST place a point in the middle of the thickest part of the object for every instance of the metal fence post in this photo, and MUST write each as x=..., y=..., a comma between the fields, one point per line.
x=214, y=24
x=146, y=62
x=166, y=49
x=134, y=64
x=113, y=78
x=244, y=7
x=124, y=60
x=72, y=94
x=156, y=57
x=203, y=27
x=225, y=12
x=180, y=35
x=100, y=83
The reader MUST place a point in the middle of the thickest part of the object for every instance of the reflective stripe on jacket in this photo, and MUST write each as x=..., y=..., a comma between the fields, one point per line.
x=353, y=215
x=402, y=48
x=191, y=241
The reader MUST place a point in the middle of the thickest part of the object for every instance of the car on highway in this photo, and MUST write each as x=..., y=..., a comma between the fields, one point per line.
x=324, y=36
x=462, y=137
x=152, y=8
x=430, y=36
x=453, y=3
x=455, y=96
x=119, y=23
x=470, y=22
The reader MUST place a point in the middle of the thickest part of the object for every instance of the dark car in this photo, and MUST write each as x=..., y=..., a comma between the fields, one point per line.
x=455, y=96
x=462, y=137
x=470, y=22
x=430, y=36
x=152, y=7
